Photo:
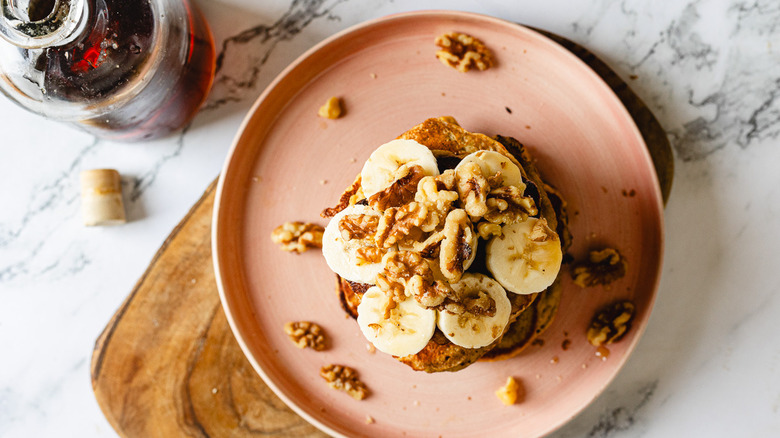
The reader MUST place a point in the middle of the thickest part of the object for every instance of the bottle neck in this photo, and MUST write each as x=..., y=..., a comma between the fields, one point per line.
x=34, y=24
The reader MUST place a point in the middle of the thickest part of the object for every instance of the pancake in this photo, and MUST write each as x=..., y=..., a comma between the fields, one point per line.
x=530, y=314
x=528, y=326
x=533, y=322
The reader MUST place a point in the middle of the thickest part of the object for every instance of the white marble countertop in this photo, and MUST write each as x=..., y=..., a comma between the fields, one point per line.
x=708, y=364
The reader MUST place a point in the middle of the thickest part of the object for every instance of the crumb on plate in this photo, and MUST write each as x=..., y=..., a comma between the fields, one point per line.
x=332, y=109
x=511, y=393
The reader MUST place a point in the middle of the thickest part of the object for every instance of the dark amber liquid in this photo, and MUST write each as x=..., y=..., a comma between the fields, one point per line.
x=119, y=54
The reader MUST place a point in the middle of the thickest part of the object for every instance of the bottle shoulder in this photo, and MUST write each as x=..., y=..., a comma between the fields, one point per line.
x=139, y=69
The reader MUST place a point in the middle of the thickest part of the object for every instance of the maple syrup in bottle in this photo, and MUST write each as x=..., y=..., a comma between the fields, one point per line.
x=120, y=69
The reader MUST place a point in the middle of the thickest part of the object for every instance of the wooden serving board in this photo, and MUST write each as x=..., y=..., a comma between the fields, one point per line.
x=167, y=363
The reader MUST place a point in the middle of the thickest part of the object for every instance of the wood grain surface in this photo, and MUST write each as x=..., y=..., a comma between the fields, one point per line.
x=167, y=363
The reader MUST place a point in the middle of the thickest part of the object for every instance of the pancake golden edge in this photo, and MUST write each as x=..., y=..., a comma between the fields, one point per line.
x=531, y=314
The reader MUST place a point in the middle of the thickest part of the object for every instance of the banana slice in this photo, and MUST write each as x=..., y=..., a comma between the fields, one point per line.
x=382, y=166
x=477, y=327
x=526, y=257
x=342, y=254
x=400, y=331
x=492, y=163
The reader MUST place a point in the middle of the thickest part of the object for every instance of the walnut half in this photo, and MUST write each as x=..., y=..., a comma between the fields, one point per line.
x=463, y=52
x=610, y=323
x=298, y=236
x=344, y=379
x=306, y=334
x=602, y=267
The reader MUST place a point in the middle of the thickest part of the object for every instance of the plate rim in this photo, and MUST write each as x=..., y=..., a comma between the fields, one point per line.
x=217, y=224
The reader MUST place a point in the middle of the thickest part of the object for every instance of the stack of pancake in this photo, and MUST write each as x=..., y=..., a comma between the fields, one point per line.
x=531, y=313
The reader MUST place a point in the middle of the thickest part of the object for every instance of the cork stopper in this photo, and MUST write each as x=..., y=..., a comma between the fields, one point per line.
x=101, y=198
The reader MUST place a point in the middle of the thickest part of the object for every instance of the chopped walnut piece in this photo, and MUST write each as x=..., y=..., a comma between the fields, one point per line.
x=610, y=323
x=298, y=236
x=362, y=227
x=306, y=334
x=507, y=205
x=473, y=189
x=458, y=246
x=541, y=232
x=438, y=202
x=511, y=393
x=477, y=303
x=469, y=303
x=407, y=274
x=485, y=197
x=463, y=52
x=358, y=226
x=428, y=293
x=447, y=180
x=401, y=191
x=453, y=307
x=429, y=248
x=344, y=379
x=486, y=230
x=332, y=109
x=602, y=268
x=401, y=225
x=399, y=268
x=392, y=287
x=369, y=254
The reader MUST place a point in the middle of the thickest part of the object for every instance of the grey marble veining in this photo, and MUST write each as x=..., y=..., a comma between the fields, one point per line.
x=726, y=51
x=625, y=415
x=710, y=72
x=242, y=57
x=56, y=195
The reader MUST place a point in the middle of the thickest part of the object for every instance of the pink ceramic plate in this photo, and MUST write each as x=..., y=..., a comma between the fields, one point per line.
x=288, y=164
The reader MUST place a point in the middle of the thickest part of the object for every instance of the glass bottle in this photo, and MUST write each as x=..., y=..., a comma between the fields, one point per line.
x=120, y=69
